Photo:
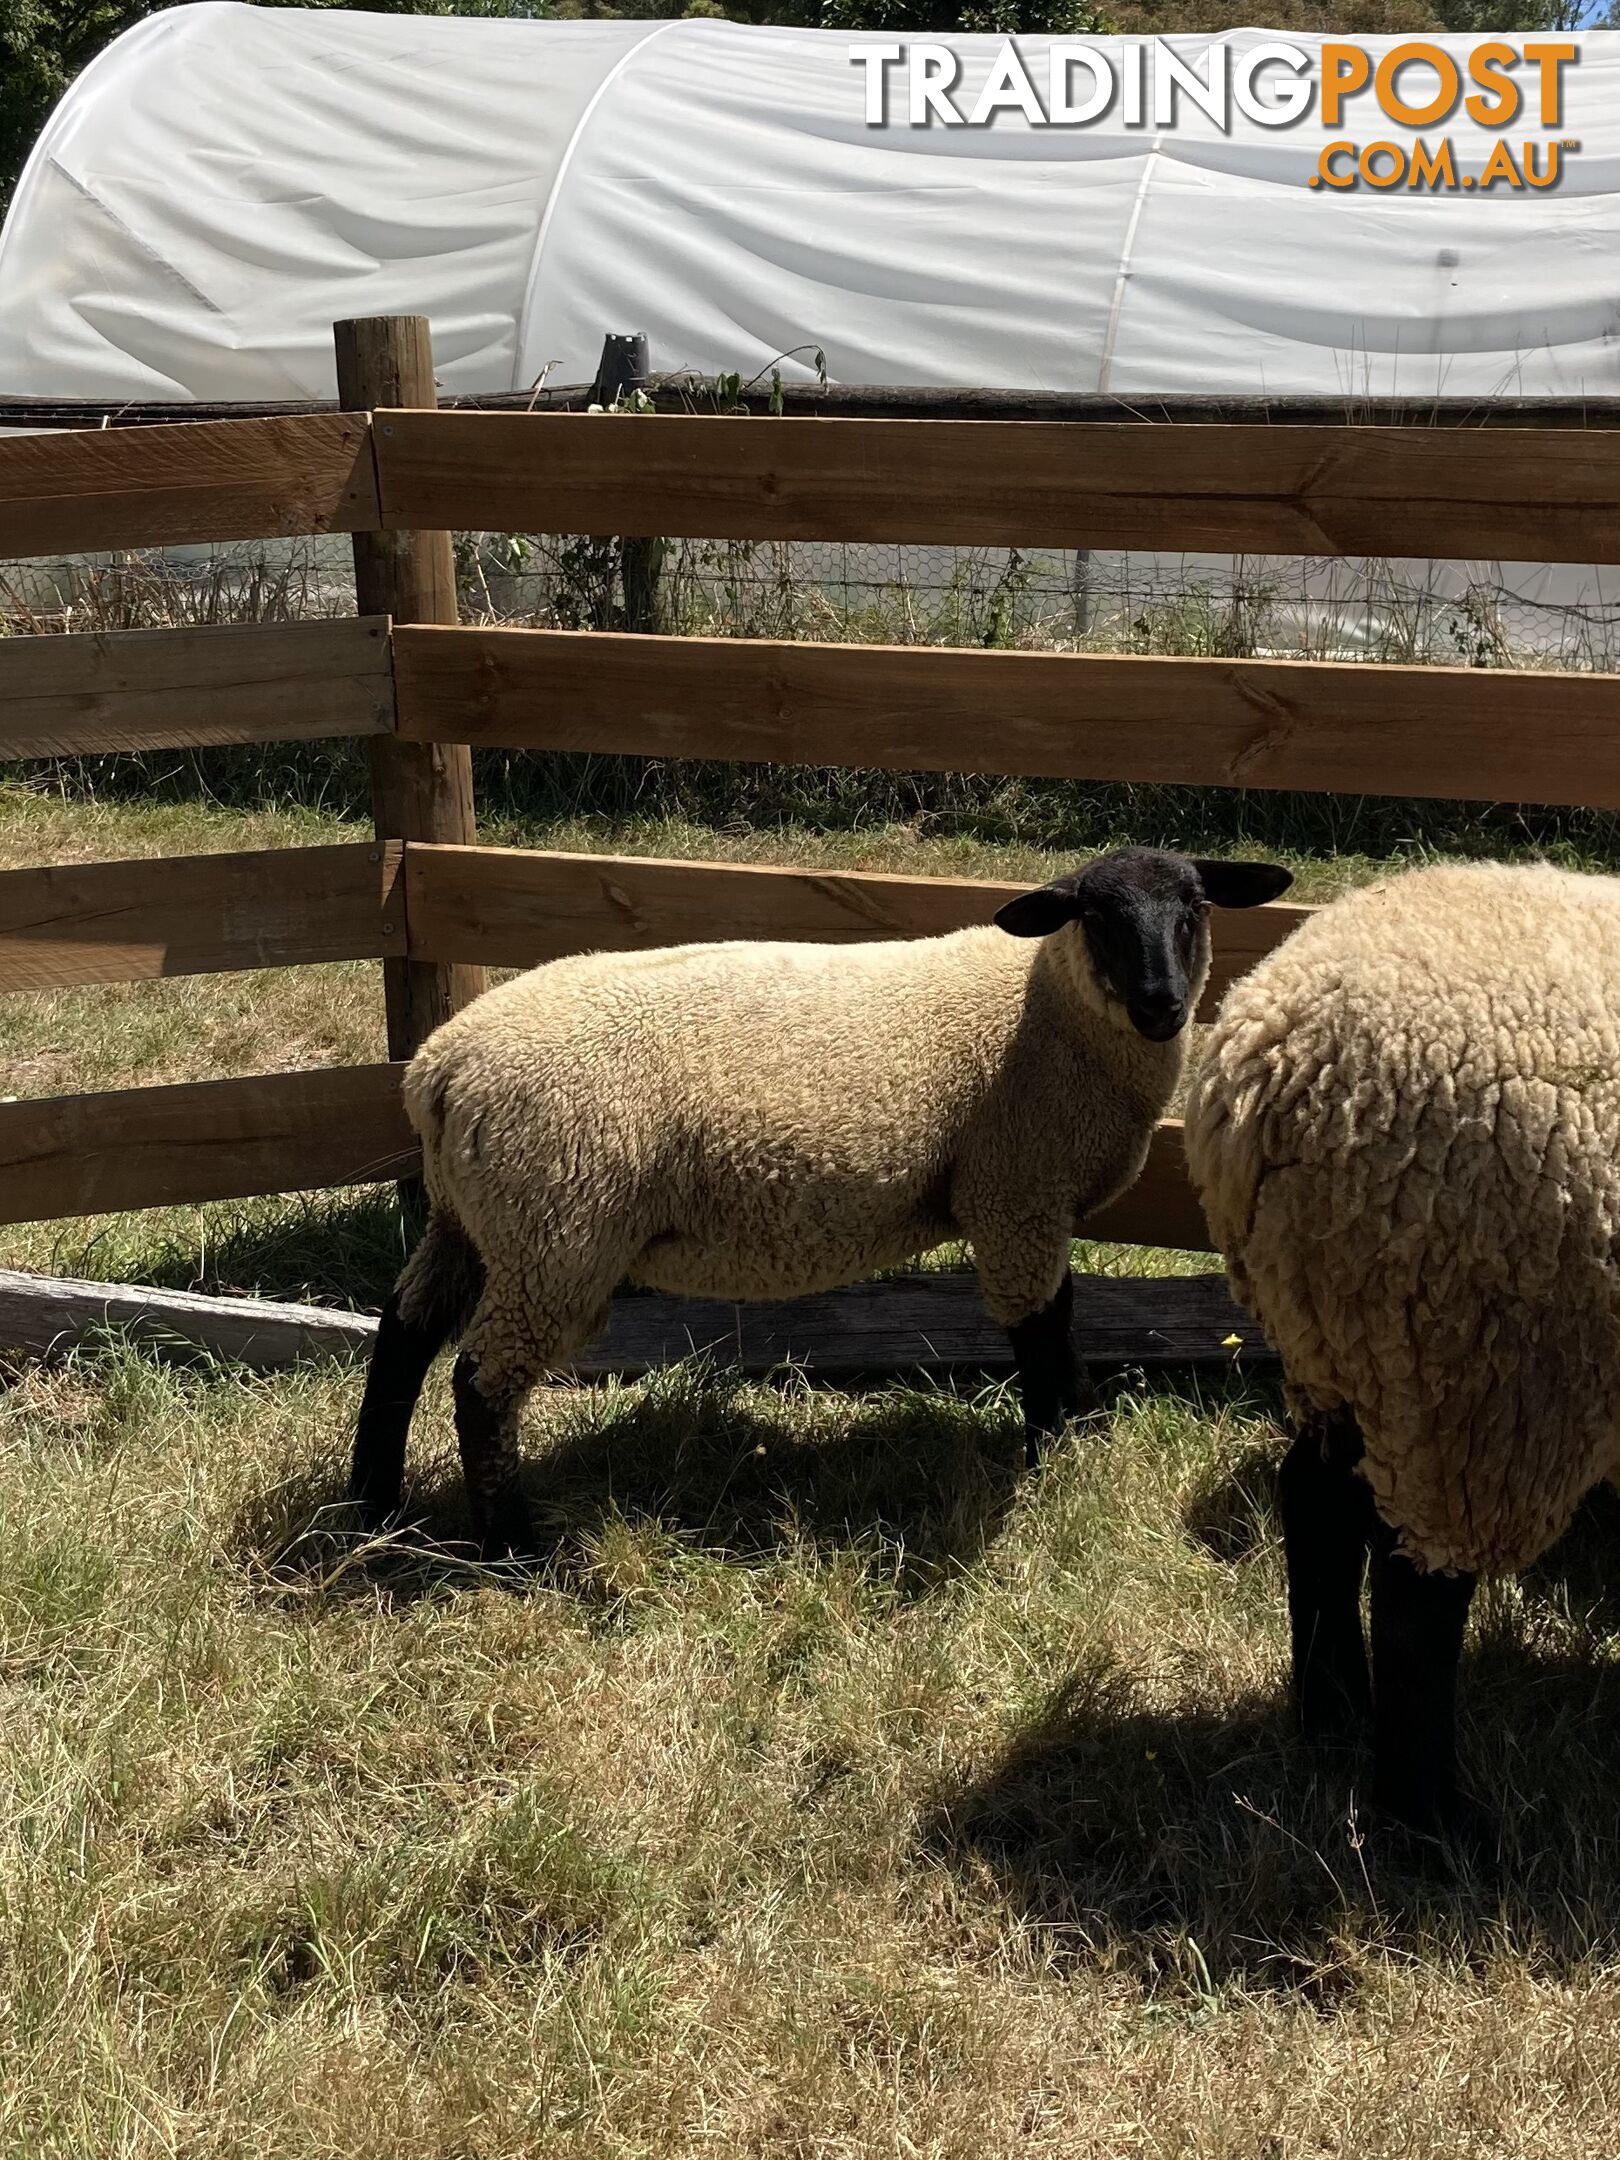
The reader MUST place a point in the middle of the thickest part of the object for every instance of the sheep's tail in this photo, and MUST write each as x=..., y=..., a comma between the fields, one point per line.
x=433, y=1300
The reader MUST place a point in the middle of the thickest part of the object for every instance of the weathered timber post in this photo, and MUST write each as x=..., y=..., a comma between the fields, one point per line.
x=419, y=791
x=625, y=365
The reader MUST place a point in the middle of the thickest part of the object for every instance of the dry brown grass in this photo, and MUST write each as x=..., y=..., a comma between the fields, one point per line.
x=828, y=1792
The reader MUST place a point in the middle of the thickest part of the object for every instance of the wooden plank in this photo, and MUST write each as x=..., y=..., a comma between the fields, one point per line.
x=516, y=907
x=169, y=689
x=208, y=480
x=926, y=1323
x=1348, y=726
x=204, y=1140
x=419, y=791
x=64, y=1155
x=195, y=915
x=931, y=1323
x=1161, y=1208
x=1540, y=495
x=42, y=1315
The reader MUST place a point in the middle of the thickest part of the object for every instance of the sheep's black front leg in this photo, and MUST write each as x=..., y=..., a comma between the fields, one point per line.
x=1417, y=1634
x=486, y=1432
x=1327, y=1518
x=1051, y=1379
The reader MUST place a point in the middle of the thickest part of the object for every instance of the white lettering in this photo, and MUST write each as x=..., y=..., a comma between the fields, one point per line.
x=1007, y=88
x=1171, y=73
x=930, y=72
x=1101, y=96
x=876, y=60
x=1133, y=85
x=1287, y=99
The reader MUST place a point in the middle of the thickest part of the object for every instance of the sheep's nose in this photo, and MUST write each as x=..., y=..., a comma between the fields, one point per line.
x=1158, y=1014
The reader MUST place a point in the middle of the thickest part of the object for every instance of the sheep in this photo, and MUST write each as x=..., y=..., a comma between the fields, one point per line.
x=767, y=1120
x=1405, y=1132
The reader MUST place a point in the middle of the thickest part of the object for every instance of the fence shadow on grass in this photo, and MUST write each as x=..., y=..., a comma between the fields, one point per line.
x=1200, y=1846
x=737, y=1469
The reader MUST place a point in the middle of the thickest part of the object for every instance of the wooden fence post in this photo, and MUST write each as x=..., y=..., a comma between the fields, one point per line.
x=419, y=791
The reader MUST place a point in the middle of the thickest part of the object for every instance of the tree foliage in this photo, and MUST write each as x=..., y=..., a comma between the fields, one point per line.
x=934, y=18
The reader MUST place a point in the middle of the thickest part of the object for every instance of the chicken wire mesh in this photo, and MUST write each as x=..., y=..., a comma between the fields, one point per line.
x=1481, y=614
x=1390, y=609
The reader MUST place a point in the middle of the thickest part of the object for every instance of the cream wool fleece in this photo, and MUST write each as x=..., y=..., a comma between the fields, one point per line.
x=763, y=1121
x=1406, y=1135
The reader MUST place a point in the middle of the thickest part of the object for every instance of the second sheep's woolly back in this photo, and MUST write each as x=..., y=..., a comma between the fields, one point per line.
x=1406, y=1135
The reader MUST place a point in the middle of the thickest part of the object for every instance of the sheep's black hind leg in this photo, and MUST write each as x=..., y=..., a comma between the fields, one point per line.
x=1327, y=1517
x=486, y=1431
x=1051, y=1379
x=1417, y=1633
x=429, y=1304
x=400, y=1359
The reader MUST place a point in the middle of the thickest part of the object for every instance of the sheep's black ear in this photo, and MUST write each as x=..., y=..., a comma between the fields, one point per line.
x=1039, y=913
x=1242, y=884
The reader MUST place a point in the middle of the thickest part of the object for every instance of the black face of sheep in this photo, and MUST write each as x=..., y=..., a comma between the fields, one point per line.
x=1143, y=912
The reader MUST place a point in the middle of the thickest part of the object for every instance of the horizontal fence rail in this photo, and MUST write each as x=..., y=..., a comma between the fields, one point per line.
x=1527, y=494
x=72, y=923
x=921, y=1323
x=518, y=907
x=202, y=1140
x=1539, y=496
x=173, y=689
x=1350, y=726
x=164, y=486
x=1161, y=1208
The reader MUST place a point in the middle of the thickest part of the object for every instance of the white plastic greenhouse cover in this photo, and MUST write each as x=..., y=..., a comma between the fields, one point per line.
x=226, y=180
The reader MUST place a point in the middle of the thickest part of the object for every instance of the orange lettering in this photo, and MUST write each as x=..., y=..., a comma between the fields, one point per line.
x=1487, y=65
x=1364, y=164
x=1550, y=55
x=1345, y=69
x=1432, y=168
x=1389, y=96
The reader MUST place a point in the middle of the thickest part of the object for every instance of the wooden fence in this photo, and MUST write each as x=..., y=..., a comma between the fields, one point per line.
x=435, y=909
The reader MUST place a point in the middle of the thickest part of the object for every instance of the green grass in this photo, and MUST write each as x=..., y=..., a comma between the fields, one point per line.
x=929, y=824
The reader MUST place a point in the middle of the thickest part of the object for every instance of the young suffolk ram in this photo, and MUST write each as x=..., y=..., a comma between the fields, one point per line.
x=1406, y=1136
x=764, y=1121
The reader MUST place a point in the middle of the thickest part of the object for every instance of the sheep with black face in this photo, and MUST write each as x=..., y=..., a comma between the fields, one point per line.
x=768, y=1120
